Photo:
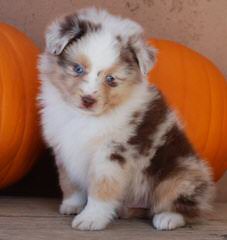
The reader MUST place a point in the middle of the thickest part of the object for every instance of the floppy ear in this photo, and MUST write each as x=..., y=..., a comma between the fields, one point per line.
x=65, y=30
x=145, y=54
x=61, y=32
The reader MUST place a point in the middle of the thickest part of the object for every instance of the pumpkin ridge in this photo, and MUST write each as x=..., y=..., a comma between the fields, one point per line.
x=7, y=42
x=220, y=127
x=1, y=99
x=18, y=61
x=223, y=91
x=184, y=81
x=210, y=112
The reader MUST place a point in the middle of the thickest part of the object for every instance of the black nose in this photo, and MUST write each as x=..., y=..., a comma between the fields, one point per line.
x=88, y=101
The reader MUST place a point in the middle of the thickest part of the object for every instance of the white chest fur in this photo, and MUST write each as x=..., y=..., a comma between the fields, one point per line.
x=75, y=137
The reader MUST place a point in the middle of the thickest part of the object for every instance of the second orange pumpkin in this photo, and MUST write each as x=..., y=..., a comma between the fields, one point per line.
x=198, y=92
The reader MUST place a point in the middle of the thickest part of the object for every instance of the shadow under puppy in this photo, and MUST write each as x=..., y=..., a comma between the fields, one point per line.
x=116, y=141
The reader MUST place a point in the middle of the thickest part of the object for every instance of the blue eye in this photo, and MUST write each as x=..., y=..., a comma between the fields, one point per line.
x=111, y=81
x=78, y=69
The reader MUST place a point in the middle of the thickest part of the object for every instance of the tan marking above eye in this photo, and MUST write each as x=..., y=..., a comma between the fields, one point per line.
x=80, y=59
x=70, y=71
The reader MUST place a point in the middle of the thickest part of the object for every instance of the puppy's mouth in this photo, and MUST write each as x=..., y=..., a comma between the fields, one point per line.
x=87, y=109
x=96, y=109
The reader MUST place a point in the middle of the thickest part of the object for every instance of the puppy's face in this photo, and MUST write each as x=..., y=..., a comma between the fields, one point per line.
x=95, y=70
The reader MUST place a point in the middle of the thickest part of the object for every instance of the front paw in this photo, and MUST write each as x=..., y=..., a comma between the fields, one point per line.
x=168, y=221
x=92, y=219
x=70, y=206
x=89, y=220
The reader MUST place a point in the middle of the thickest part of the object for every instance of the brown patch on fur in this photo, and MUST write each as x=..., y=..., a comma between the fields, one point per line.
x=187, y=206
x=72, y=23
x=118, y=158
x=106, y=189
x=121, y=148
x=69, y=24
x=135, y=116
x=155, y=114
x=165, y=162
x=128, y=56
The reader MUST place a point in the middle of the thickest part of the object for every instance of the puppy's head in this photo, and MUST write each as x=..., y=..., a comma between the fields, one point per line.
x=95, y=60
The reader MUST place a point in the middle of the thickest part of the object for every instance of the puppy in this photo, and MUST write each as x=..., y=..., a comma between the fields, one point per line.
x=116, y=141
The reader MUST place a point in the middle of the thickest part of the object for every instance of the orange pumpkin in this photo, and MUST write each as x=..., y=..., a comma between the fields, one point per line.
x=20, y=141
x=198, y=91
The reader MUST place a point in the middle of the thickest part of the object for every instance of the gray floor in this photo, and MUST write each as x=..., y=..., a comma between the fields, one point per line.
x=38, y=219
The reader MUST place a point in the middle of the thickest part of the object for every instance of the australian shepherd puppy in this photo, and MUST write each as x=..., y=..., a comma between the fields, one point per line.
x=116, y=141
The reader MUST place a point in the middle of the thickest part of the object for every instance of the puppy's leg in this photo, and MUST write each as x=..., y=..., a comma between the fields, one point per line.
x=168, y=220
x=107, y=184
x=73, y=198
x=185, y=196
